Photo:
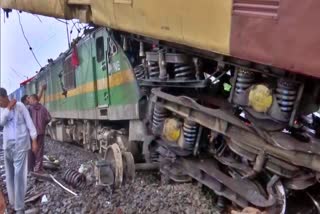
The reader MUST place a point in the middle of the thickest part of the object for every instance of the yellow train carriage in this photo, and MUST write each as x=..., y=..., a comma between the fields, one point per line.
x=179, y=21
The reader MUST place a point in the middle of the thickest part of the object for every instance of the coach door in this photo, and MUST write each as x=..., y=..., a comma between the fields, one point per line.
x=101, y=70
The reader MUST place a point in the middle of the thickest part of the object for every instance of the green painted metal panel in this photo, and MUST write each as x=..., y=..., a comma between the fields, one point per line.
x=86, y=75
x=125, y=95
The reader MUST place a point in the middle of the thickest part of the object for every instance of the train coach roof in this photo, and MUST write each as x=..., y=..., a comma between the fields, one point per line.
x=26, y=81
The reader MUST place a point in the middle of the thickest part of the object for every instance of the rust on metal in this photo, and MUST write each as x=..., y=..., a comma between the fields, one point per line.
x=114, y=157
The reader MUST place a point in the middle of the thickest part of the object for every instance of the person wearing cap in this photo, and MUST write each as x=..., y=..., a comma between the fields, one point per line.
x=18, y=128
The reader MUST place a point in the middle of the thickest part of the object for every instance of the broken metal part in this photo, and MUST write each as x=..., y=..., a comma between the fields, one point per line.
x=74, y=178
x=103, y=173
x=242, y=192
x=114, y=157
x=128, y=167
x=50, y=165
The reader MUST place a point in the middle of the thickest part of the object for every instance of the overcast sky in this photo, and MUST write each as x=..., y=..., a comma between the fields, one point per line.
x=47, y=37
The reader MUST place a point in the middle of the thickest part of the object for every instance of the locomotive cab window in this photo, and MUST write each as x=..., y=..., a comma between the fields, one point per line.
x=69, y=75
x=100, y=49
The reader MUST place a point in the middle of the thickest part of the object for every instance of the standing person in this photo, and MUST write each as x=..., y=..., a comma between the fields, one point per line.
x=18, y=128
x=25, y=99
x=40, y=117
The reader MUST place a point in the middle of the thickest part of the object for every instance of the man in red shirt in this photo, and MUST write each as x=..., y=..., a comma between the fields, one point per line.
x=40, y=117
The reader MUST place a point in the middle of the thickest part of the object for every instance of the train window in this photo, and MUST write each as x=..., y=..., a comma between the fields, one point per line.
x=69, y=74
x=100, y=49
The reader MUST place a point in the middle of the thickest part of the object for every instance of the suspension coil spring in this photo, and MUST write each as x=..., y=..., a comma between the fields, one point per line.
x=184, y=71
x=244, y=80
x=159, y=115
x=190, y=131
x=154, y=70
x=154, y=156
x=286, y=95
x=139, y=72
x=74, y=178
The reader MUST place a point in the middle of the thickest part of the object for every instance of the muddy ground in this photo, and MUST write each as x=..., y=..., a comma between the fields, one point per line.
x=145, y=195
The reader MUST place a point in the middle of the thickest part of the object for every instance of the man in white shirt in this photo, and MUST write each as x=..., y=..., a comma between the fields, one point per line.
x=17, y=130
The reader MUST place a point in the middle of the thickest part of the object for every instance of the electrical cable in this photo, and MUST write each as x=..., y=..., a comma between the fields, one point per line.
x=25, y=37
x=64, y=22
x=18, y=75
x=37, y=17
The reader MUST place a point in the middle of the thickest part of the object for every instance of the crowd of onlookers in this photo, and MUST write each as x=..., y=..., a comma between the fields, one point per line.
x=24, y=124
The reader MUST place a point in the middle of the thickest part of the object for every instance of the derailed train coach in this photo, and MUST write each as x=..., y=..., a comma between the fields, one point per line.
x=231, y=105
x=222, y=125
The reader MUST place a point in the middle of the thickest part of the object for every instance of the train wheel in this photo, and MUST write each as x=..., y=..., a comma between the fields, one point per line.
x=114, y=157
x=128, y=167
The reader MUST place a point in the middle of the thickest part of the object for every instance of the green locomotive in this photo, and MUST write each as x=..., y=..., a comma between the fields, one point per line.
x=88, y=100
